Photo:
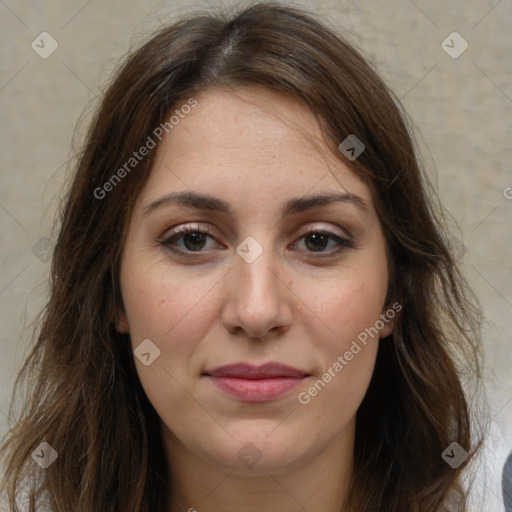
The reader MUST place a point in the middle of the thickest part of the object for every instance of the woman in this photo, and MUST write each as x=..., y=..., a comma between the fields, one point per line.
x=253, y=302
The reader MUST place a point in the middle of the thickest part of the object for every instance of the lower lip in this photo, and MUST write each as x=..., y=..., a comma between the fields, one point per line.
x=256, y=390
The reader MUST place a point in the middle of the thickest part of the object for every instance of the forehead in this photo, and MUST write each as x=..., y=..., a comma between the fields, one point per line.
x=251, y=141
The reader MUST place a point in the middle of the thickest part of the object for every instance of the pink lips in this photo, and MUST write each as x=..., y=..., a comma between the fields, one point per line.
x=256, y=383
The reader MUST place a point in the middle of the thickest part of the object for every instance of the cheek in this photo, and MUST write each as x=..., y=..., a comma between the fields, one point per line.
x=160, y=302
x=349, y=305
x=347, y=359
x=346, y=336
x=175, y=314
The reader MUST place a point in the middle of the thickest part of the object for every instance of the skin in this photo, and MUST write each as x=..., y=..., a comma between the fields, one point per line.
x=298, y=303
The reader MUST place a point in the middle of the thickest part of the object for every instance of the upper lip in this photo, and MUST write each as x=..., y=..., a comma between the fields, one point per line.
x=249, y=371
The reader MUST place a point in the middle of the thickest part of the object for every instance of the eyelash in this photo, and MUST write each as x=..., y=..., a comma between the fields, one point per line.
x=168, y=242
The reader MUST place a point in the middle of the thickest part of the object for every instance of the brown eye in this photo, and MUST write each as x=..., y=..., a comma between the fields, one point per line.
x=192, y=240
x=318, y=241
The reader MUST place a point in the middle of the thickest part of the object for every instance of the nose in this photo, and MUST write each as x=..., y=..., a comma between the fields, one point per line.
x=258, y=297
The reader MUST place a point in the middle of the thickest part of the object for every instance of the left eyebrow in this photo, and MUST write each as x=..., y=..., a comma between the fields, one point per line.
x=294, y=205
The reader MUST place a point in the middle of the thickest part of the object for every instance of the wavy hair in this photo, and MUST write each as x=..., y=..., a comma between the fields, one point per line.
x=82, y=392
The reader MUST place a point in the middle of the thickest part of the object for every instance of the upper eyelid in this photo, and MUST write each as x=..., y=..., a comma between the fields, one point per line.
x=197, y=227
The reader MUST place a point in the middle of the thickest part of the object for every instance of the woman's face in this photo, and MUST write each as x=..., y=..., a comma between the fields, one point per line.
x=249, y=287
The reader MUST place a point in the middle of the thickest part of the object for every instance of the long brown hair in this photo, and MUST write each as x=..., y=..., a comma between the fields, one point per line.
x=83, y=394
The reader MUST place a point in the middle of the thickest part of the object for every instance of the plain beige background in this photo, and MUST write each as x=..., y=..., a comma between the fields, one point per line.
x=461, y=105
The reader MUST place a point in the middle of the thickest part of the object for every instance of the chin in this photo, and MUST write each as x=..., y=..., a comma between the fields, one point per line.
x=253, y=450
